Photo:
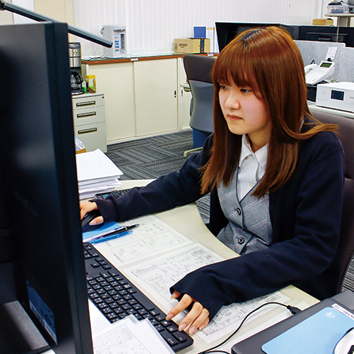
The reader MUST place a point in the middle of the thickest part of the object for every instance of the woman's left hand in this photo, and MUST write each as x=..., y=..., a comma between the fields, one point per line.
x=197, y=317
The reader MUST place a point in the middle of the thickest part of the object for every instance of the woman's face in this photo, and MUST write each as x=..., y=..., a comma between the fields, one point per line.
x=245, y=113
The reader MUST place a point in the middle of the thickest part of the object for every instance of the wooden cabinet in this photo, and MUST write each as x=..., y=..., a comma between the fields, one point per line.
x=155, y=87
x=143, y=97
x=117, y=83
x=184, y=97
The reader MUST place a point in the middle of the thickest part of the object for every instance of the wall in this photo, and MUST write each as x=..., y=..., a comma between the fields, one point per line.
x=6, y=17
x=60, y=10
x=153, y=24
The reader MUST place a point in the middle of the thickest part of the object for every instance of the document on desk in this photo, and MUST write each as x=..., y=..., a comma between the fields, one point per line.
x=155, y=256
x=152, y=237
x=130, y=336
x=159, y=274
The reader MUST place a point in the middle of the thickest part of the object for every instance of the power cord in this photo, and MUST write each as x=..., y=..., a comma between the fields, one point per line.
x=294, y=310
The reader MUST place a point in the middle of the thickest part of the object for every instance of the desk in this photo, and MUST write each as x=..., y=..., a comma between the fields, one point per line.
x=194, y=228
x=314, y=108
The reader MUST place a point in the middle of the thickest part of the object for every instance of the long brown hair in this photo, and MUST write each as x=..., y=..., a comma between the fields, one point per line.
x=268, y=61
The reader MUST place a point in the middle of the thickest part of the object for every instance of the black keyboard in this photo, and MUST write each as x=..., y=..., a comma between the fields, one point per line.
x=116, y=297
x=115, y=193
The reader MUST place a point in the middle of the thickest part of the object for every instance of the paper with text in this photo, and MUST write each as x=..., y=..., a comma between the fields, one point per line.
x=130, y=336
x=159, y=274
x=150, y=238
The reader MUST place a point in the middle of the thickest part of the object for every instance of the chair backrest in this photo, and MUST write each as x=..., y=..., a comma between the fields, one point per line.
x=346, y=242
x=198, y=69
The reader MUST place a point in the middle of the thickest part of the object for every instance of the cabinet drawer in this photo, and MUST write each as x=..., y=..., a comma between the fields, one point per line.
x=89, y=115
x=88, y=100
x=92, y=135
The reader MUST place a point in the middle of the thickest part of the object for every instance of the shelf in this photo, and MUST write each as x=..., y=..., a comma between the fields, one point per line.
x=343, y=19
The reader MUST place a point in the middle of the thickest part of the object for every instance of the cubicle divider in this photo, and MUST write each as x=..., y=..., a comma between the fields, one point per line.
x=317, y=51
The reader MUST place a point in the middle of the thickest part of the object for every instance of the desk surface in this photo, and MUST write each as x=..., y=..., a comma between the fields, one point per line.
x=314, y=108
x=193, y=228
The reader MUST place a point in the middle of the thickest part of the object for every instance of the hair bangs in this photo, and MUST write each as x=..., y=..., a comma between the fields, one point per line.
x=235, y=65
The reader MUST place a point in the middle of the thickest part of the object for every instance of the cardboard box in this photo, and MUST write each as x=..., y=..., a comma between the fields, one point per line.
x=322, y=22
x=192, y=45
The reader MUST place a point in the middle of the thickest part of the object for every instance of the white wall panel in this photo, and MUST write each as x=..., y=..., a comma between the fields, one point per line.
x=153, y=24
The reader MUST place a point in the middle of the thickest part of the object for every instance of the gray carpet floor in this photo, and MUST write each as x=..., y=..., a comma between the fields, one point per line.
x=156, y=156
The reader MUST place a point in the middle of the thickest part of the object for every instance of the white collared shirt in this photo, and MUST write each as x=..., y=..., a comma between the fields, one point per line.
x=252, y=166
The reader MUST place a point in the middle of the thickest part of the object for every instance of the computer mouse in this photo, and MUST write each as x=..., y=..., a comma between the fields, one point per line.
x=88, y=217
x=346, y=343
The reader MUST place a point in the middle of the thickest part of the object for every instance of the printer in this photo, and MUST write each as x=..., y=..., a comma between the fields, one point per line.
x=337, y=95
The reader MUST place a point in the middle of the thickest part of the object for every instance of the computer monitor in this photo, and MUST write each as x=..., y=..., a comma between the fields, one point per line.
x=327, y=34
x=39, y=184
x=227, y=31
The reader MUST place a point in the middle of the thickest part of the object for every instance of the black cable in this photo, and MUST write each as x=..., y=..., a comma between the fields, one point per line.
x=294, y=310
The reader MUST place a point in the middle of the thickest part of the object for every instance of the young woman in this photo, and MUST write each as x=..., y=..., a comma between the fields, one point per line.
x=276, y=180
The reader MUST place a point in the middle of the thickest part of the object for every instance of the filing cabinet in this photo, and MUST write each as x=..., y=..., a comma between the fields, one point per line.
x=89, y=120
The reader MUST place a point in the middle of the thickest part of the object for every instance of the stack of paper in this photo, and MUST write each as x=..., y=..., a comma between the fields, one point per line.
x=96, y=173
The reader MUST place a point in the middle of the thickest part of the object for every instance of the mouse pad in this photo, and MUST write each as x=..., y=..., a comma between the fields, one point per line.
x=110, y=226
x=317, y=334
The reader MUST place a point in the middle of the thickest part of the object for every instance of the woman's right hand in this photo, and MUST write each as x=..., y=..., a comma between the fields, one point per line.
x=85, y=207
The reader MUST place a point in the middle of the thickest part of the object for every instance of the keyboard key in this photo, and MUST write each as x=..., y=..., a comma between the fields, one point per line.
x=181, y=336
x=143, y=300
x=169, y=338
x=172, y=328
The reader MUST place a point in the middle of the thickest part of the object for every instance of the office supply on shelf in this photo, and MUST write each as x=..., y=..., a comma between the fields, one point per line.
x=96, y=172
x=116, y=297
x=130, y=336
x=110, y=235
x=117, y=35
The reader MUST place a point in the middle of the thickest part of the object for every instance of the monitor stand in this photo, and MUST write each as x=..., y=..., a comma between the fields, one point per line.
x=18, y=334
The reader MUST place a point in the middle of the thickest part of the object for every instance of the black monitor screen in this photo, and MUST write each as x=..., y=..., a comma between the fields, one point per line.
x=327, y=34
x=227, y=31
x=39, y=183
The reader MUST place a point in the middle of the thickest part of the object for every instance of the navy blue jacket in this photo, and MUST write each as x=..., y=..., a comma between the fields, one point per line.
x=305, y=215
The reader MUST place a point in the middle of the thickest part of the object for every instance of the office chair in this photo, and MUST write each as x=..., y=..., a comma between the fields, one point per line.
x=198, y=68
x=346, y=240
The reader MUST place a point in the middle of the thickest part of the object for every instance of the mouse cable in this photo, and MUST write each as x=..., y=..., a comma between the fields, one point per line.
x=294, y=310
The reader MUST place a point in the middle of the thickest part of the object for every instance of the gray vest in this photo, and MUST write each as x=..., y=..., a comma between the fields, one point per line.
x=249, y=228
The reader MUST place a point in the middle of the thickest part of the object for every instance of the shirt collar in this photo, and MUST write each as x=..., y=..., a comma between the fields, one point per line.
x=260, y=155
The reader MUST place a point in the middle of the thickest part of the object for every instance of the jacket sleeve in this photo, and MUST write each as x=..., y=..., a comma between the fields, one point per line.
x=175, y=189
x=304, y=251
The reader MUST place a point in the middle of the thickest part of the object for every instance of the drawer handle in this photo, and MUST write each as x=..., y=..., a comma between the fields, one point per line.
x=87, y=103
x=88, y=114
x=87, y=131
